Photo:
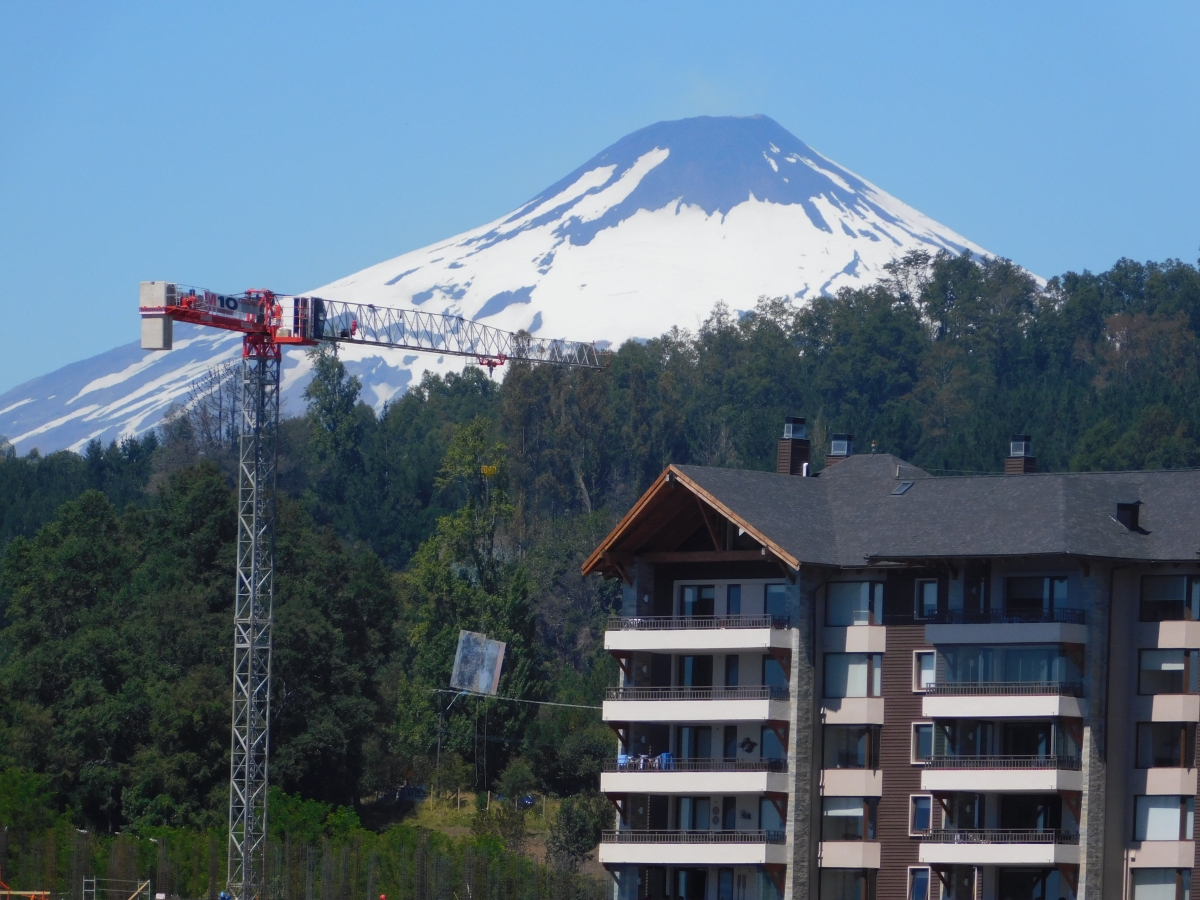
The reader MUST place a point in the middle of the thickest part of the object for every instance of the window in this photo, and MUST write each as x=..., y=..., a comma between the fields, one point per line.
x=776, y=601
x=920, y=813
x=854, y=603
x=924, y=669
x=697, y=600
x=733, y=600
x=1168, y=671
x=730, y=743
x=926, y=601
x=848, y=818
x=851, y=747
x=773, y=674
x=695, y=671
x=1170, y=598
x=769, y=744
x=724, y=884
x=853, y=675
x=918, y=884
x=842, y=884
x=691, y=884
x=1165, y=744
x=768, y=815
x=1163, y=818
x=922, y=741
x=693, y=741
x=732, y=666
x=693, y=813
x=1162, y=884
x=1033, y=599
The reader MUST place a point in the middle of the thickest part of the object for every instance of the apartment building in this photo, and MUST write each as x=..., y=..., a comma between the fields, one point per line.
x=877, y=683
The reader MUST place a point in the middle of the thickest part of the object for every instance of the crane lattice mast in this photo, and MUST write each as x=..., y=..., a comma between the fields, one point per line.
x=268, y=323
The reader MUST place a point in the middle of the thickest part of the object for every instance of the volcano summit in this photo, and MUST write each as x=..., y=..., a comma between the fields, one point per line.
x=648, y=234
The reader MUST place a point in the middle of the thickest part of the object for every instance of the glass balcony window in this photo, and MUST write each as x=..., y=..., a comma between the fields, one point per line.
x=1161, y=884
x=1166, y=744
x=848, y=818
x=854, y=603
x=1169, y=672
x=1170, y=598
x=853, y=675
x=1027, y=664
x=1033, y=598
x=845, y=884
x=1164, y=818
x=851, y=746
x=926, y=600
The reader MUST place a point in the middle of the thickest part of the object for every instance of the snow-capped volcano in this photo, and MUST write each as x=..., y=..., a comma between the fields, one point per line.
x=650, y=233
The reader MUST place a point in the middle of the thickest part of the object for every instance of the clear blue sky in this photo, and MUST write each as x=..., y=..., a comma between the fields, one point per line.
x=238, y=145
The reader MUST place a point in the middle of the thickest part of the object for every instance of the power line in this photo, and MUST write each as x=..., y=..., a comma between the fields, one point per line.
x=516, y=699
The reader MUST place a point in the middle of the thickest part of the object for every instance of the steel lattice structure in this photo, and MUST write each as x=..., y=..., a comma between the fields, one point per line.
x=255, y=593
x=410, y=329
x=268, y=322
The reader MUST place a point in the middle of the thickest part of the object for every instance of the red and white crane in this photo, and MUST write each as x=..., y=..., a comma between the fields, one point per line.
x=269, y=322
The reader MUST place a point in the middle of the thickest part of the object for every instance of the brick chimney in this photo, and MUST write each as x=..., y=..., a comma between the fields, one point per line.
x=840, y=446
x=1020, y=459
x=793, y=454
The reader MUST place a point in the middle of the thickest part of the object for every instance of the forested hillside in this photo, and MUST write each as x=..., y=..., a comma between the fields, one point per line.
x=117, y=588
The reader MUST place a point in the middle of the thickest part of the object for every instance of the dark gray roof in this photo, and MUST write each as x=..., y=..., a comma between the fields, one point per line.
x=849, y=514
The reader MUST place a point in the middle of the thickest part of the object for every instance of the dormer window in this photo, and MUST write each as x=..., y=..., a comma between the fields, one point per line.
x=1127, y=514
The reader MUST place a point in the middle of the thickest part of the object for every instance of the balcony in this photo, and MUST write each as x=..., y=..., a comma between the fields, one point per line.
x=665, y=634
x=999, y=846
x=1002, y=774
x=693, y=848
x=1004, y=699
x=655, y=775
x=750, y=703
x=1014, y=626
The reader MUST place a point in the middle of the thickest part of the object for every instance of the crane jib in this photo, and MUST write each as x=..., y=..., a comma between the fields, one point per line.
x=284, y=319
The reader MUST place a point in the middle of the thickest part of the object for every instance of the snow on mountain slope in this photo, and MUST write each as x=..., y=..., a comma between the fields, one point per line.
x=648, y=234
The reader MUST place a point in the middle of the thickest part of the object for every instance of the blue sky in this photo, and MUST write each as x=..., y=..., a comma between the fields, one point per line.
x=239, y=145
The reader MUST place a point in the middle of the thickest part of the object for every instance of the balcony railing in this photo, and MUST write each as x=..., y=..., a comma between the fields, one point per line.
x=670, y=623
x=693, y=837
x=1071, y=763
x=1008, y=617
x=1000, y=836
x=698, y=693
x=1004, y=688
x=670, y=764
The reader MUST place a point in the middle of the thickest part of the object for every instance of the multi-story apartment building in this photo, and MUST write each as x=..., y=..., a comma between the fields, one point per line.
x=878, y=683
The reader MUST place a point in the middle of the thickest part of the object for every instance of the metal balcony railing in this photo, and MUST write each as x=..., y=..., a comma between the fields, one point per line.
x=749, y=692
x=1000, y=836
x=669, y=623
x=1008, y=617
x=658, y=764
x=693, y=837
x=1004, y=688
x=1070, y=763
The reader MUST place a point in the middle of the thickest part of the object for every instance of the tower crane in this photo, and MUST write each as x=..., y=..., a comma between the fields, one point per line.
x=268, y=322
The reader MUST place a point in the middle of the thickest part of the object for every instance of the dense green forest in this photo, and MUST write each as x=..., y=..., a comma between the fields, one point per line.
x=116, y=585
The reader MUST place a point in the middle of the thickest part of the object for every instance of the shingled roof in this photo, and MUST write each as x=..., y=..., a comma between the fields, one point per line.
x=852, y=513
